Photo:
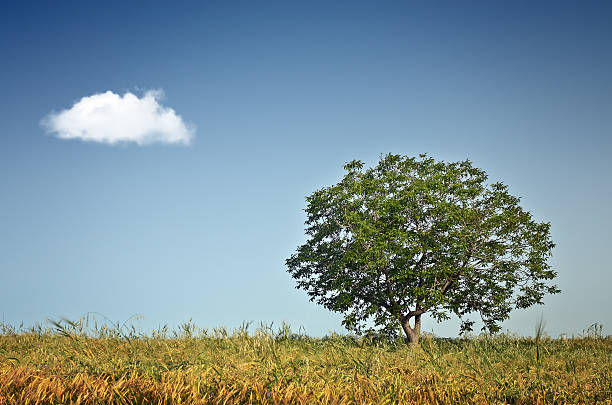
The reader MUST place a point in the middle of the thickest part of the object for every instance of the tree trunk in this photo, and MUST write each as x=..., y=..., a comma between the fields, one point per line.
x=412, y=334
x=417, y=325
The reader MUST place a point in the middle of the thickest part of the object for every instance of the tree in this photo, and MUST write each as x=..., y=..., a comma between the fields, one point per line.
x=416, y=236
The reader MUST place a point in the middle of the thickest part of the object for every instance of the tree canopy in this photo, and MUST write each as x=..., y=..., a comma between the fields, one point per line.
x=414, y=236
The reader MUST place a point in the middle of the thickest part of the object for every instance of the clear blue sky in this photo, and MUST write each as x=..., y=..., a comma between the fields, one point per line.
x=282, y=94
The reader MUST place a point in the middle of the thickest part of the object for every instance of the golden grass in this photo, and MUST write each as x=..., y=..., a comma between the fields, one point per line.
x=67, y=365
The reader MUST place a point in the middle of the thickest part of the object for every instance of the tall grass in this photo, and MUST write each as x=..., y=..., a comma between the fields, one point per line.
x=85, y=362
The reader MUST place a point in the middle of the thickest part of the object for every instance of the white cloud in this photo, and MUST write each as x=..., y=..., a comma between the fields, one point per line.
x=111, y=118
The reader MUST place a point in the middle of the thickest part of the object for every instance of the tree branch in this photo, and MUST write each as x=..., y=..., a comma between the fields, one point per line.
x=453, y=279
x=389, y=289
x=410, y=314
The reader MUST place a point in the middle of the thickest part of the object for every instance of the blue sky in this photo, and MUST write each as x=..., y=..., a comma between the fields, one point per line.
x=281, y=95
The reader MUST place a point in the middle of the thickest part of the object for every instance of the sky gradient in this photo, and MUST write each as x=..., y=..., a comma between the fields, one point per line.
x=281, y=95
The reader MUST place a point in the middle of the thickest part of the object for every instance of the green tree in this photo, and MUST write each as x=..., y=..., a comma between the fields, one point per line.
x=416, y=236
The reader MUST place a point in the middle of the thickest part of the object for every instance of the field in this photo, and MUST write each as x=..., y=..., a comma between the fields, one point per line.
x=76, y=363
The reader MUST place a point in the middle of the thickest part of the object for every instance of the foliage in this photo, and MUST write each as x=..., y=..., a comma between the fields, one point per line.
x=413, y=236
x=277, y=366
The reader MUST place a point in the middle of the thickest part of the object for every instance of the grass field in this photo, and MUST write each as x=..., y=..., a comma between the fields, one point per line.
x=76, y=363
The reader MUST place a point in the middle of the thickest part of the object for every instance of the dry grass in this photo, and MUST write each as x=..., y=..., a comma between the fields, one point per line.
x=68, y=365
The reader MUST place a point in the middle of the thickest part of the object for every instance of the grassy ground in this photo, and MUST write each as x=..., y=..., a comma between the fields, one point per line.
x=68, y=365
